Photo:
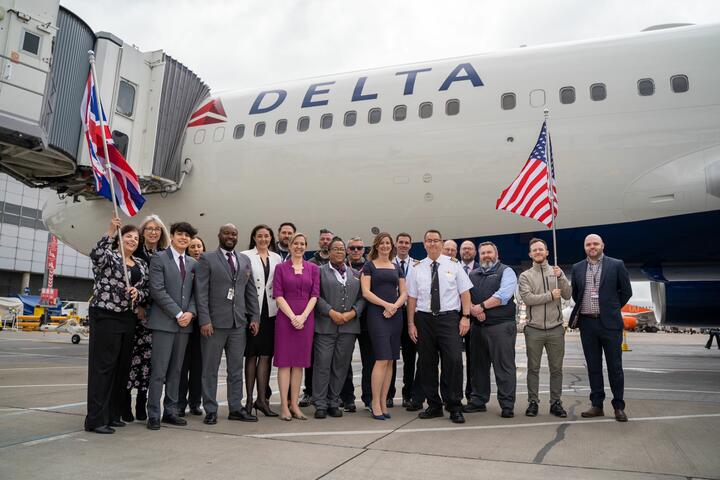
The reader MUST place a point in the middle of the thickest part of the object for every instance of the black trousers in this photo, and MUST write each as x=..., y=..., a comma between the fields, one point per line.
x=411, y=389
x=307, y=390
x=715, y=335
x=190, y=392
x=110, y=350
x=493, y=345
x=467, y=340
x=597, y=340
x=439, y=340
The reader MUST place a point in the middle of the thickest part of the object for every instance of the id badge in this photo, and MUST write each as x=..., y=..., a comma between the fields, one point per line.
x=594, y=295
x=231, y=293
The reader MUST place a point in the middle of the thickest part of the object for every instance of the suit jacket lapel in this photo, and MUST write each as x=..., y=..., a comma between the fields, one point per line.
x=583, y=277
x=603, y=273
x=224, y=262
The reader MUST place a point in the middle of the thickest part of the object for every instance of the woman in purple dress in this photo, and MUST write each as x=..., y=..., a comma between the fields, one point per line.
x=296, y=286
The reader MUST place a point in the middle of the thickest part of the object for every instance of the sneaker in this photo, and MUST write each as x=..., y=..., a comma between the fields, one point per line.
x=532, y=409
x=350, y=407
x=304, y=400
x=558, y=410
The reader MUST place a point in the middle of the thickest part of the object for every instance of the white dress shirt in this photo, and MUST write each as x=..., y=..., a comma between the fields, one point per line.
x=452, y=279
x=176, y=258
x=232, y=255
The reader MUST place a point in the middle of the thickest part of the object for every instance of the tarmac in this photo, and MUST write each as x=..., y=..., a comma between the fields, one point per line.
x=672, y=395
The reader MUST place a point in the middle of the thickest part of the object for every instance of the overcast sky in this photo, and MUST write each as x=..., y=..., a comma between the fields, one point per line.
x=249, y=43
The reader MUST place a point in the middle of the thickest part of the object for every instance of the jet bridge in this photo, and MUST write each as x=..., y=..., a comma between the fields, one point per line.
x=148, y=98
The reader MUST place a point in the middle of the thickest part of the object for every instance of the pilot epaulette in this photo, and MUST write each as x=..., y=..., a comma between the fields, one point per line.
x=416, y=263
x=454, y=259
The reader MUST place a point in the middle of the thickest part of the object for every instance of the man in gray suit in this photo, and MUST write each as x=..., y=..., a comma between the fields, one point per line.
x=226, y=302
x=171, y=288
x=336, y=327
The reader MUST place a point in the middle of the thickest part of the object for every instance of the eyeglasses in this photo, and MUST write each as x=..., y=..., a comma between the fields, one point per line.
x=153, y=229
x=356, y=248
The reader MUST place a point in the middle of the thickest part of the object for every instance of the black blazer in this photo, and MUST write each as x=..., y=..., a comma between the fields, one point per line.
x=614, y=291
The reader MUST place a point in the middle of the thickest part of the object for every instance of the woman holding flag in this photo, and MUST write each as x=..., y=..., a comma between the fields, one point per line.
x=120, y=287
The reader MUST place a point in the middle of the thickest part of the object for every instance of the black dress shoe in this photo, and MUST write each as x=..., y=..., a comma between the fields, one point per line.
x=532, y=409
x=507, y=413
x=242, y=416
x=389, y=403
x=174, y=420
x=335, y=412
x=196, y=410
x=350, y=407
x=181, y=413
x=320, y=413
x=116, y=423
x=558, y=410
x=406, y=402
x=474, y=408
x=414, y=407
x=210, y=419
x=104, y=429
x=457, y=417
x=431, y=412
x=153, y=424
x=620, y=415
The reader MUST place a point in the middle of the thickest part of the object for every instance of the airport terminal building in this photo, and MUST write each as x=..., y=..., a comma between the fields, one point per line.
x=23, y=247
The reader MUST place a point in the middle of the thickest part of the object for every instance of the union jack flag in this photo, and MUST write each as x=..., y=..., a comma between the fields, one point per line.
x=126, y=185
x=528, y=195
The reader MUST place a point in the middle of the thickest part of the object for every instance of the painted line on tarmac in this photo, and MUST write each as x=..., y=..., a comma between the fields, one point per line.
x=41, y=368
x=41, y=440
x=21, y=354
x=48, y=385
x=478, y=427
x=44, y=409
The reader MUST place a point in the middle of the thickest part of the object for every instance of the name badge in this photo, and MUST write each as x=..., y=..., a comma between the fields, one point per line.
x=594, y=295
x=231, y=293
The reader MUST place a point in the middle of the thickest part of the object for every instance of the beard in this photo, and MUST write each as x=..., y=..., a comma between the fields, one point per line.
x=488, y=264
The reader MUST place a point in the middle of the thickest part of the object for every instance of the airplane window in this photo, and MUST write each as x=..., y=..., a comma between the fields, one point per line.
x=350, y=118
x=239, y=131
x=426, y=110
x=326, y=121
x=121, y=141
x=646, y=87
x=507, y=101
x=598, y=92
x=199, y=136
x=452, y=107
x=126, y=98
x=537, y=98
x=260, y=129
x=567, y=95
x=281, y=126
x=374, y=115
x=303, y=124
x=400, y=113
x=679, y=83
x=218, y=134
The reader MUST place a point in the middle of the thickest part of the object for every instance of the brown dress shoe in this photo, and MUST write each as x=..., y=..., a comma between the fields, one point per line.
x=620, y=415
x=593, y=412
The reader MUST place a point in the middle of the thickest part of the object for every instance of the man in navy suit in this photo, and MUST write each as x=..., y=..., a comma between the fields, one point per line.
x=600, y=288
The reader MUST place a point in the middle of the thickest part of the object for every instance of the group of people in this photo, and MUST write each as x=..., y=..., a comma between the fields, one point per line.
x=164, y=311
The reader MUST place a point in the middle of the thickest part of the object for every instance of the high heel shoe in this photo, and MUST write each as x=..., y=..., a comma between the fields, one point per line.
x=264, y=408
x=386, y=415
x=377, y=417
x=285, y=418
x=298, y=416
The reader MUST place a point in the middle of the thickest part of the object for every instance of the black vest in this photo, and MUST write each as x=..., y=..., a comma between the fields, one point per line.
x=484, y=285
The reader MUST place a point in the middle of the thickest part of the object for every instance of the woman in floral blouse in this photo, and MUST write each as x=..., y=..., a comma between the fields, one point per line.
x=112, y=325
x=154, y=238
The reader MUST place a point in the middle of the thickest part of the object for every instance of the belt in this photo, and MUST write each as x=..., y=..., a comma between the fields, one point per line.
x=440, y=314
x=590, y=315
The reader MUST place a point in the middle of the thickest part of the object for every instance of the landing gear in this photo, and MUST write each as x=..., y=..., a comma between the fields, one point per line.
x=75, y=339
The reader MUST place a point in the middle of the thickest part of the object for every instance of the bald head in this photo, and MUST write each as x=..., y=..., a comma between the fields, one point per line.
x=594, y=246
x=450, y=248
x=467, y=251
x=228, y=236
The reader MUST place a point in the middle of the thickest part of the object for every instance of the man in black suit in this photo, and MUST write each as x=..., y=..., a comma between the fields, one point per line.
x=600, y=288
x=468, y=252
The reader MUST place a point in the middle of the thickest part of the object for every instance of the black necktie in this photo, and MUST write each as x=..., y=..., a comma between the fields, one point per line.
x=402, y=265
x=467, y=269
x=435, y=290
x=182, y=266
x=231, y=263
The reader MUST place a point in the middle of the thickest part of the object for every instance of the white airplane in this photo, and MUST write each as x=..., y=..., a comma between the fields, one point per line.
x=635, y=126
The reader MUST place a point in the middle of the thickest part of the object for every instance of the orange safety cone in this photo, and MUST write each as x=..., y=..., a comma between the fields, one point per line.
x=625, y=346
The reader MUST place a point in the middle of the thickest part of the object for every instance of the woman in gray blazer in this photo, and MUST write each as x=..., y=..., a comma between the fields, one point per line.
x=336, y=326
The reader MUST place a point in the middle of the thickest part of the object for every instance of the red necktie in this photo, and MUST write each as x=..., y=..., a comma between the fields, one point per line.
x=231, y=263
x=182, y=266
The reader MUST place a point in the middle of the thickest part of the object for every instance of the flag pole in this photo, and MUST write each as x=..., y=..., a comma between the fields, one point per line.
x=108, y=168
x=551, y=192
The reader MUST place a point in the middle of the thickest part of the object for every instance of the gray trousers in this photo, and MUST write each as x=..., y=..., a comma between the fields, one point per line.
x=332, y=357
x=232, y=341
x=494, y=345
x=553, y=340
x=168, y=353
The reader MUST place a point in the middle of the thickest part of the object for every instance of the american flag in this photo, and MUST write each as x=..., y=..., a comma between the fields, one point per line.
x=528, y=194
x=126, y=185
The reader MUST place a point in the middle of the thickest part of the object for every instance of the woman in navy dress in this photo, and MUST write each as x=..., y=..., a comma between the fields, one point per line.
x=383, y=286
